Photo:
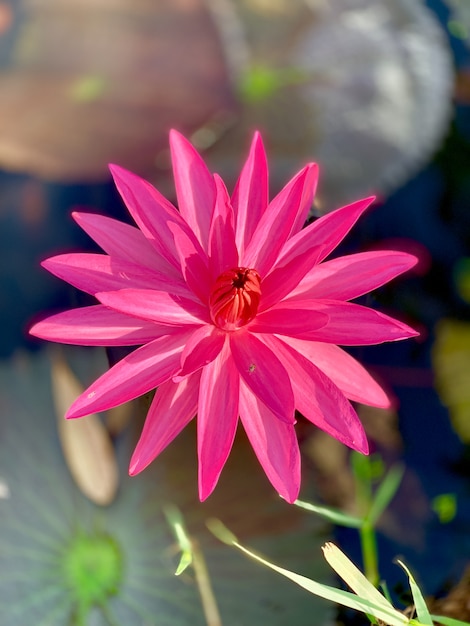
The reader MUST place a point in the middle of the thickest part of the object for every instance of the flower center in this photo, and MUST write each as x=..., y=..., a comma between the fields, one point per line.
x=235, y=297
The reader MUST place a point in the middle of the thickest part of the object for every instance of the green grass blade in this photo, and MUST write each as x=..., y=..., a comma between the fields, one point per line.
x=332, y=515
x=353, y=576
x=385, y=612
x=420, y=605
x=385, y=492
x=448, y=621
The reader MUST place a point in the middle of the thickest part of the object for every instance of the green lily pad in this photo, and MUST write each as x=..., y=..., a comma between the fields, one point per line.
x=50, y=533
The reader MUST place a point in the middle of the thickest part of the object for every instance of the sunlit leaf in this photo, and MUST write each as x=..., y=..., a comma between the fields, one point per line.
x=353, y=577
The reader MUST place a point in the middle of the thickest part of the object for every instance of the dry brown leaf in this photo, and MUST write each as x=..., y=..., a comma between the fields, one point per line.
x=87, y=447
x=117, y=419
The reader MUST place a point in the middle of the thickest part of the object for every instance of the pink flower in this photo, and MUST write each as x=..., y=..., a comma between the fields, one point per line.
x=236, y=313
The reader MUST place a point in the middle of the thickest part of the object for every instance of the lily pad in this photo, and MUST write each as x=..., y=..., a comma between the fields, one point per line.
x=50, y=531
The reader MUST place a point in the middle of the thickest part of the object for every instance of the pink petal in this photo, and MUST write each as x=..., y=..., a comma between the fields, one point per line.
x=346, y=323
x=155, y=306
x=276, y=223
x=124, y=242
x=354, y=325
x=250, y=197
x=96, y=326
x=193, y=262
x=264, y=374
x=352, y=276
x=318, y=398
x=348, y=374
x=136, y=374
x=195, y=187
x=153, y=214
x=287, y=319
x=172, y=408
x=306, y=201
x=201, y=348
x=98, y=272
x=217, y=418
x=285, y=277
x=274, y=442
x=223, y=254
x=328, y=231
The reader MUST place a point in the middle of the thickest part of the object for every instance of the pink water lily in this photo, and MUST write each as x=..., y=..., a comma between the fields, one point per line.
x=236, y=314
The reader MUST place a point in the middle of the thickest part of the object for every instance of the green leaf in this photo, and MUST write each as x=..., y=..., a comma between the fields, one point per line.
x=448, y=621
x=175, y=520
x=332, y=515
x=385, y=492
x=421, y=608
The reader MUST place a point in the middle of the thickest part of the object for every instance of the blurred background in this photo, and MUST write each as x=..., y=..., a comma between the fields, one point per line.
x=378, y=93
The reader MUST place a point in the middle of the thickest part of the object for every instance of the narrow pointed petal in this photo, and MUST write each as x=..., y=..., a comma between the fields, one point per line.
x=135, y=374
x=349, y=277
x=306, y=201
x=153, y=214
x=276, y=223
x=318, y=398
x=274, y=442
x=124, y=242
x=347, y=374
x=264, y=374
x=328, y=231
x=195, y=187
x=193, y=262
x=223, y=254
x=285, y=277
x=201, y=348
x=352, y=325
x=96, y=326
x=155, y=306
x=173, y=407
x=217, y=418
x=251, y=195
x=98, y=272
x=345, y=323
x=286, y=319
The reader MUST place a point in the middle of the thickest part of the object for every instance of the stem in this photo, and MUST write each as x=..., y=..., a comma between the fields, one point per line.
x=362, y=470
x=369, y=553
x=209, y=603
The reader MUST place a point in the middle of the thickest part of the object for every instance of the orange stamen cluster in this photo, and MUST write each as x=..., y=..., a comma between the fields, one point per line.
x=234, y=298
